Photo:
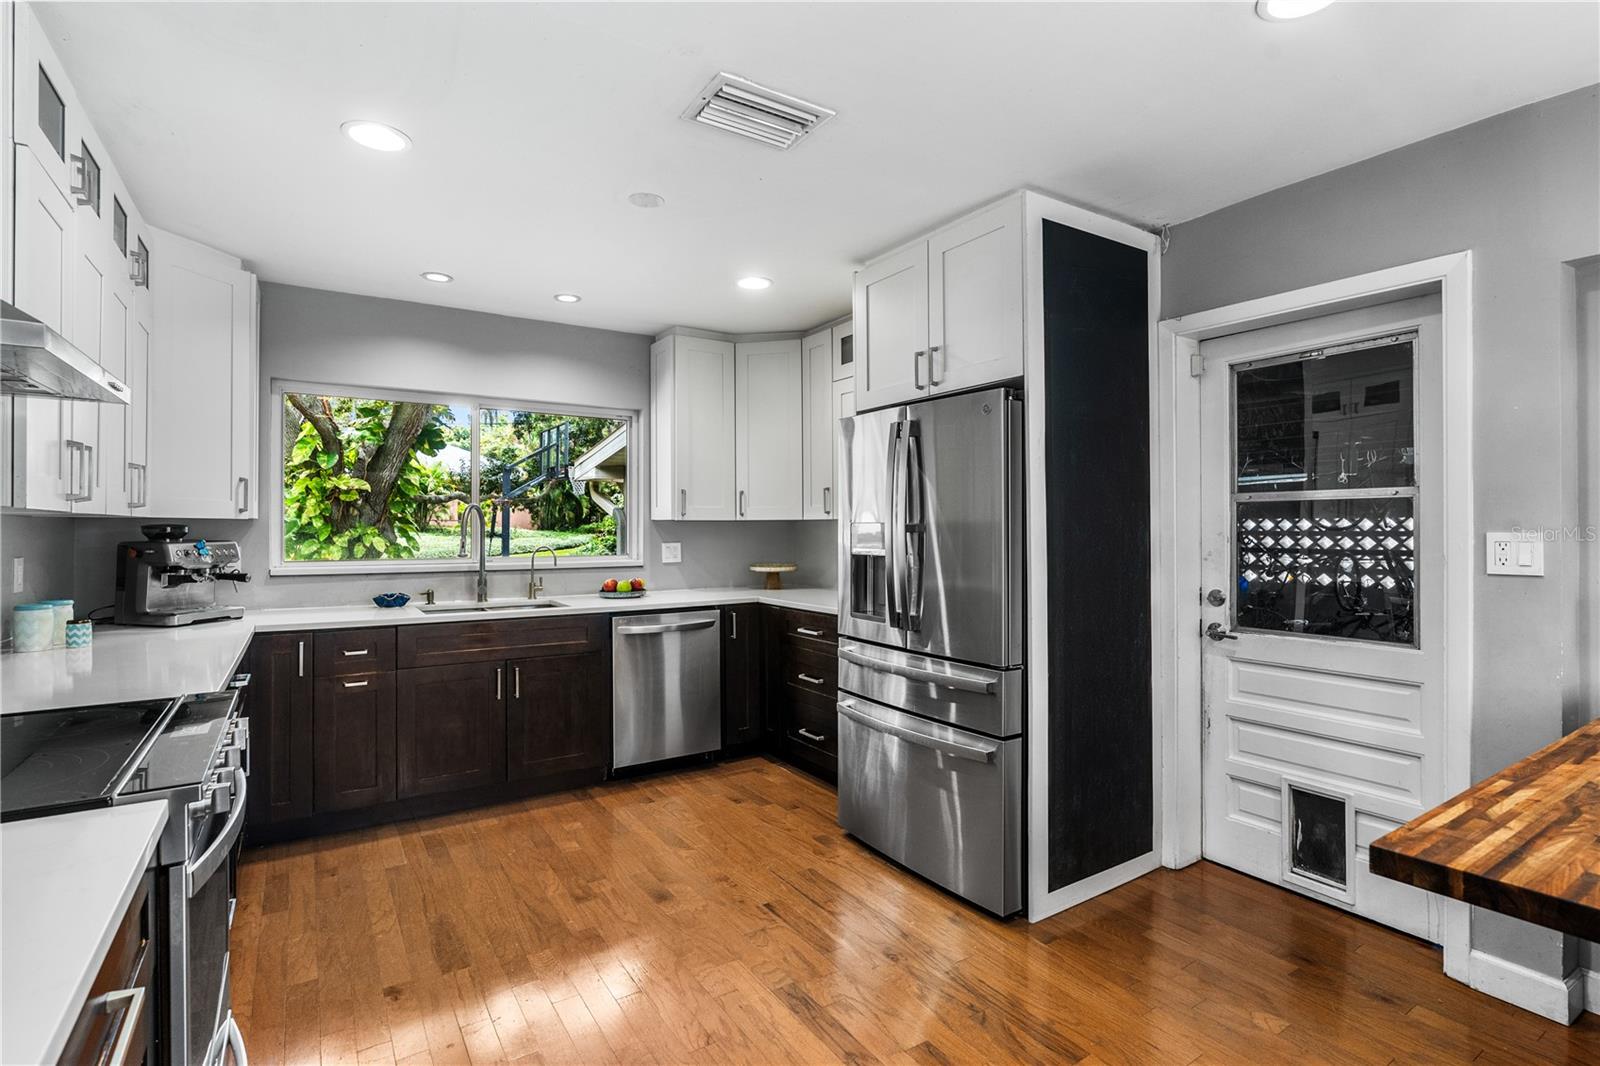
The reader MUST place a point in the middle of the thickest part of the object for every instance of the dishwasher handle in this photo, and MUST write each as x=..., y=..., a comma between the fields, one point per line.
x=665, y=627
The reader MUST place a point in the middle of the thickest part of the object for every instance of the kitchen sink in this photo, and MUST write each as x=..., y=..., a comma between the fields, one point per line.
x=472, y=607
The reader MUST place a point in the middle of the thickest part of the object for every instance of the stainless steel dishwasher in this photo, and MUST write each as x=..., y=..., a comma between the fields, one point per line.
x=666, y=688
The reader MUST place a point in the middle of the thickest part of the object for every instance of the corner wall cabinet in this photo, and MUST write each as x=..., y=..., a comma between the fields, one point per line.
x=745, y=429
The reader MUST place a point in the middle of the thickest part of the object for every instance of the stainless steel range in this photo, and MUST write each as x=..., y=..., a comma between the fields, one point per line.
x=191, y=753
x=931, y=641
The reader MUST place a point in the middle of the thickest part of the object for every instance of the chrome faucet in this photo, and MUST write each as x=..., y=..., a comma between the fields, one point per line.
x=536, y=584
x=483, y=557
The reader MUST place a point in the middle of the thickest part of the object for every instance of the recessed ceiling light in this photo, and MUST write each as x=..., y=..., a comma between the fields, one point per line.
x=567, y=297
x=1284, y=10
x=436, y=275
x=645, y=199
x=376, y=135
x=754, y=282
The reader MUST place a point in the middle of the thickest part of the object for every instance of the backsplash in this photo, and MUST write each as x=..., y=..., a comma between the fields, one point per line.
x=714, y=554
x=45, y=542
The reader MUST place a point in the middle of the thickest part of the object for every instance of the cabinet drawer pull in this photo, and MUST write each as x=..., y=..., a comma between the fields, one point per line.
x=355, y=684
x=131, y=1015
x=516, y=682
x=499, y=682
x=302, y=654
x=808, y=679
x=357, y=651
x=804, y=632
x=815, y=738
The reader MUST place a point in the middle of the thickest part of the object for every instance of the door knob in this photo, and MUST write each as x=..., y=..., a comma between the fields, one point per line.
x=1216, y=632
x=1216, y=598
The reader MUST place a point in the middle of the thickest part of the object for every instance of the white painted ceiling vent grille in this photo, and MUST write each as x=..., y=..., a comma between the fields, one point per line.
x=740, y=106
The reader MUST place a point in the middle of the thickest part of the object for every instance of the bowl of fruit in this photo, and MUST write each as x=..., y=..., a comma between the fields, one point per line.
x=625, y=589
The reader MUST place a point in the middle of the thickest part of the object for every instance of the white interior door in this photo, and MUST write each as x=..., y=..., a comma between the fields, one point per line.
x=1322, y=561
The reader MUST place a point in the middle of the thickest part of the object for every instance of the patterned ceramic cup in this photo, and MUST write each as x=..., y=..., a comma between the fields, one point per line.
x=33, y=626
x=80, y=633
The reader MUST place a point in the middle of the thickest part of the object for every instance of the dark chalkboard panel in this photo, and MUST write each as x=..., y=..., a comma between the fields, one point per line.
x=1097, y=467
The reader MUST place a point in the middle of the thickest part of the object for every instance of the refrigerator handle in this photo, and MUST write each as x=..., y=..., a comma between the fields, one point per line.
x=891, y=565
x=912, y=524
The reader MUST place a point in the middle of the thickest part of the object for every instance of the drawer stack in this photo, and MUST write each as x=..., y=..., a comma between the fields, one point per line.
x=804, y=688
x=117, y=1022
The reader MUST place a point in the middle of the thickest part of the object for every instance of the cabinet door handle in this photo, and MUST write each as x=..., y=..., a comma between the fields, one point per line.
x=81, y=192
x=826, y=509
x=808, y=679
x=355, y=652
x=804, y=632
x=733, y=624
x=243, y=490
x=933, y=363
x=741, y=503
x=302, y=658
x=683, y=502
x=94, y=472
x=355, y=684
x=516, y=682
x=499, y=682
x=815, y=738
x=916, y=369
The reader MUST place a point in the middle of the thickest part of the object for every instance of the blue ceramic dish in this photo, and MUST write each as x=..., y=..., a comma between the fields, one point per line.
x=391, y=599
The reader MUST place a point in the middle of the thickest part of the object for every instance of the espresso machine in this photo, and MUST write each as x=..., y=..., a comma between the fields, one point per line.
x=169, y=580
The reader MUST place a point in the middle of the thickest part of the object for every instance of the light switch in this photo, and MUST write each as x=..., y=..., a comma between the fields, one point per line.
x=671, y=551
x=1518, y=554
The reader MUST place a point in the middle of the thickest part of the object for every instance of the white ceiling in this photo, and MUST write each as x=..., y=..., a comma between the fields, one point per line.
x=532, y=124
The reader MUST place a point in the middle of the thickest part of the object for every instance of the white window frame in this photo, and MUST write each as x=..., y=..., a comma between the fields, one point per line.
x=280, y=567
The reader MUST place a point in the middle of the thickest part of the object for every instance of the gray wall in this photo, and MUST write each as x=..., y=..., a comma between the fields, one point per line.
x=314, y=336
x=46, y=545
x=1519, y=190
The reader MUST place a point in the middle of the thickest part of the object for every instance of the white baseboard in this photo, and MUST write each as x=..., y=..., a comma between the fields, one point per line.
x=1104, y=881
x=1560, y=1000
x=1591, y=990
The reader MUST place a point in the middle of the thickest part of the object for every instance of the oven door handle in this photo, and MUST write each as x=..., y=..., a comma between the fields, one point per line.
x=236, y=1042
x=198, y=872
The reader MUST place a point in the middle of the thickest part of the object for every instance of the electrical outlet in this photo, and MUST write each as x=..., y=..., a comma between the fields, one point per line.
x=16, y=574
x=671, y=551
x=1518, y=554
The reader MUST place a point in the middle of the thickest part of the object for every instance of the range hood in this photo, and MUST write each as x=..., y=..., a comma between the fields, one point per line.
x=41, y=362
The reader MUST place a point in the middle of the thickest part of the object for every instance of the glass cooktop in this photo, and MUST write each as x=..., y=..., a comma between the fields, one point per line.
x=53, y=761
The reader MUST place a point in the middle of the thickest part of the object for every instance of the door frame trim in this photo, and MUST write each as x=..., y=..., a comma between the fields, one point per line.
x=1177, y=542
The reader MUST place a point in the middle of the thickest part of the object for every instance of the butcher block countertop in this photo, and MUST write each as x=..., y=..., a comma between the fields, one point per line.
x=1524, y=842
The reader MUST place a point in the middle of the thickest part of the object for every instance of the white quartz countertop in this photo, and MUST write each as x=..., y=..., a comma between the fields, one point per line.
x=138, y=663
x=65, y=883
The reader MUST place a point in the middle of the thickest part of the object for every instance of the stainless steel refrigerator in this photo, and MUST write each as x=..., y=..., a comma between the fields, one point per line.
x=931, y=640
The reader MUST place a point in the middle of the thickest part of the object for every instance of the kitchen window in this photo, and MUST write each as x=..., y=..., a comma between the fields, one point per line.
x=376, y=481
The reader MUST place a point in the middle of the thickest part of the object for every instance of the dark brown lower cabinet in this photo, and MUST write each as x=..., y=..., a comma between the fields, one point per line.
x=278, y=704
x=353, y=741
x=558, y=714
x=741, y=674
x=451, y=727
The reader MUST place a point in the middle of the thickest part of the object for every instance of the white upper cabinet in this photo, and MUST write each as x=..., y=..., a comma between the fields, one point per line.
x=202, y=431
x=890, y=316
x=975, y=300
x=692, y=429
x=42, y=284
x=768, y=420
x=943, y=313
x=817, y=411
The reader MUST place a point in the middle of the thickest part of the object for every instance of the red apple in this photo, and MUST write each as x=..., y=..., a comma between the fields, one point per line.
x=609, y=586
x=638, y=584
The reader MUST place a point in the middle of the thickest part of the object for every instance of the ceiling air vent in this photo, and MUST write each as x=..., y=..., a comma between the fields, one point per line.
x=740, y=106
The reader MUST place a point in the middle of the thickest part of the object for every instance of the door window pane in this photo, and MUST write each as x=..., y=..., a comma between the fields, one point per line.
x=1328, y=567
x=1327, y=420
x=554, y=481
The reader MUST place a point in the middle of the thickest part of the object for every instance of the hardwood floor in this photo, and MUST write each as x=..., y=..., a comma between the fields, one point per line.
x=720, y=916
